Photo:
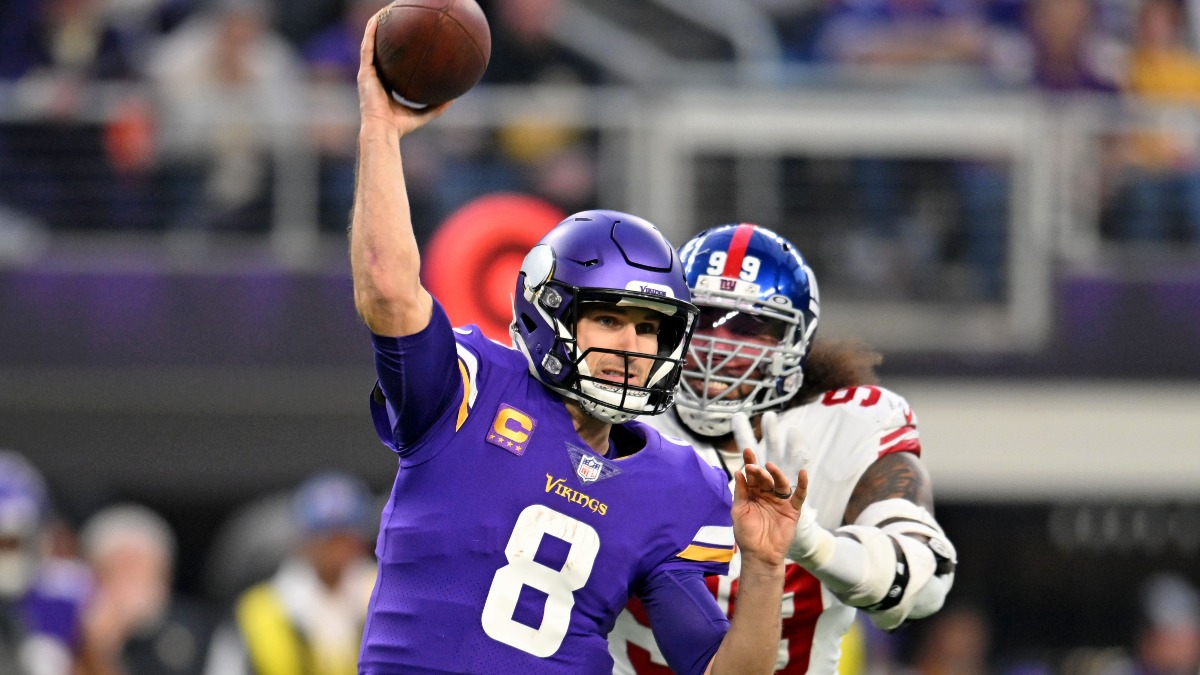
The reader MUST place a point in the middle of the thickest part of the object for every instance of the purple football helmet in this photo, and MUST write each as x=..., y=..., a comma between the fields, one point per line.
x=609, y=257
x=23, y=512
x=748, y=283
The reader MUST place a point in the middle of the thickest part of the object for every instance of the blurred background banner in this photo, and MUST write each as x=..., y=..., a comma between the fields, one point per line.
x=1002, y=196
x=473, y=258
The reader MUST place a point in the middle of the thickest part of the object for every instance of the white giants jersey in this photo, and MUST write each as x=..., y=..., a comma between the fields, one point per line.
x=843, y=433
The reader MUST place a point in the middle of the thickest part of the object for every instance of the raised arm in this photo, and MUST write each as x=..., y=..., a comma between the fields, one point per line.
x=384, y=259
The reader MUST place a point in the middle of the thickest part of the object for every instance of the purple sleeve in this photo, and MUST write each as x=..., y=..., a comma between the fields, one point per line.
x=53, y=607
x=418, y=381
x=687, y=622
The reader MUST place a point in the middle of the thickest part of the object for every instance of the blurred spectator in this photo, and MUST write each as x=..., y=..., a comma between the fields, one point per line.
x=298, y=22
x=1072, y=55
x=1067, y=51
x=1162, y=164
x=537, y=153
x=902, y=36
x=40, y=598
x=331, y=58
x=61, y=38
x=525, y=49
x=249, y=546
x=904, y=213
x=231, y=96
x=554, y=160
x=56, y=159
x=798, y=23
x=1060, y=51
x=1165, y=640
x=134, y=624
x=332, y=54
x=141, y=22
x=1055, y=47
x=308, y=618
x=1168, y=639
x=959, y=641
x=956, y=641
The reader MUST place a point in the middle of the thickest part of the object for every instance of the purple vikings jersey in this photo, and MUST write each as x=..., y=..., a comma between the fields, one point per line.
x=508, y=545
x=50, y=614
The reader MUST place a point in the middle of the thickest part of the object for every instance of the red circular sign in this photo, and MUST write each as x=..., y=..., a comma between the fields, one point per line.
x=471, y=262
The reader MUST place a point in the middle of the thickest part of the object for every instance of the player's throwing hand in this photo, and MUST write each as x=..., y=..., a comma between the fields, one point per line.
x=374, y=101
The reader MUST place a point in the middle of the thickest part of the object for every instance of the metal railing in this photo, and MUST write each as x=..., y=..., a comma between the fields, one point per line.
x=650, y=145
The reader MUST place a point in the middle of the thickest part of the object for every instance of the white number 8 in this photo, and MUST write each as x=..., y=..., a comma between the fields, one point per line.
x=535, y=522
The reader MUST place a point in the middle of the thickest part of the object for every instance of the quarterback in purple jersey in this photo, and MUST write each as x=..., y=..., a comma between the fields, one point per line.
x=527, y=506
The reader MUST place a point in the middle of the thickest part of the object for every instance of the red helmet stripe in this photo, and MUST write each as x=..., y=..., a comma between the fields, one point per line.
x=737, y=250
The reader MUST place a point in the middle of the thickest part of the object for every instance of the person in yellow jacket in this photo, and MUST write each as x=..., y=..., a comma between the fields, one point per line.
x=308, y=618
x=1162, y=155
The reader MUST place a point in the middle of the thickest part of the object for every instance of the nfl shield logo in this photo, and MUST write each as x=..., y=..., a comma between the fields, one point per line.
x=589, y=468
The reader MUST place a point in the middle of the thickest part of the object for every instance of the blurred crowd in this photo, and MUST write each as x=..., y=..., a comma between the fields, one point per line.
x=206, y=99
x=210, y=99
x=217, y=91
x=101, y=598
x=289, y=575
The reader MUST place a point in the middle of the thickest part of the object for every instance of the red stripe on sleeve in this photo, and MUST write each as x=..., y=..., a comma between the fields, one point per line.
x=737, y=251
x=912, y=445
x=904, y=439
x=888, y=438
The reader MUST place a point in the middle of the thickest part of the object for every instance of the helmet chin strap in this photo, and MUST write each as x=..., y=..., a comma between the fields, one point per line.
x=606, y=406
x=706, y=422
x=605, y=413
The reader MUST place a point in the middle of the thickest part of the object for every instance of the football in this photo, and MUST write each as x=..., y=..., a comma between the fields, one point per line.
x=428, y=52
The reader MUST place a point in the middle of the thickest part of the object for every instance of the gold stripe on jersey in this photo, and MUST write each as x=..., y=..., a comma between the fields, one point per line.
x=706, y=554
x=468, y=366
x=464, y=408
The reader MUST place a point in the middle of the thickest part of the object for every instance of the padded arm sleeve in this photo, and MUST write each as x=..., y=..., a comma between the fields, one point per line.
x=894, y=562
x=685, y=618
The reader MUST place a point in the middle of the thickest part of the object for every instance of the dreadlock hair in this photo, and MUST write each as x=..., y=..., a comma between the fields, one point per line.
x=836, y=364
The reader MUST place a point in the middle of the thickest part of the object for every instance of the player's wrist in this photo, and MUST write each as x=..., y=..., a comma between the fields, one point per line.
x=762, y=566
x=812, y=545
x=374, y=128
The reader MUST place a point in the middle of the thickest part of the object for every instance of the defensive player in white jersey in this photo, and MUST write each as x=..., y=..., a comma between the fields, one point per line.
x=867, y=539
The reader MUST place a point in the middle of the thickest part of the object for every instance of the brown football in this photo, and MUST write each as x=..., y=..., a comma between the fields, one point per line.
x=430, y=51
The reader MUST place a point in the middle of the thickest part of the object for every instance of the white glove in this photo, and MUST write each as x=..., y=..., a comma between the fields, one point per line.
x=775, y=444
x=743, y=435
